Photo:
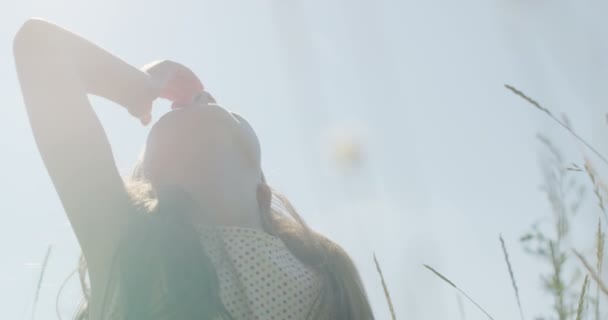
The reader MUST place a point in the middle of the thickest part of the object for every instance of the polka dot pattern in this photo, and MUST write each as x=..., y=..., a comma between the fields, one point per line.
x=259, y=277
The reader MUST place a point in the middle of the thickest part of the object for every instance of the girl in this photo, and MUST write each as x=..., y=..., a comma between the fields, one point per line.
x=196, y=232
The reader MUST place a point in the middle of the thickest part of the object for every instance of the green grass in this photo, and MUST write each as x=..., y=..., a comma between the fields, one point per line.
x=552, y=244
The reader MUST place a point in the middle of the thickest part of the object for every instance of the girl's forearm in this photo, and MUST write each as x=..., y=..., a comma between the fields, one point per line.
x=101, y=73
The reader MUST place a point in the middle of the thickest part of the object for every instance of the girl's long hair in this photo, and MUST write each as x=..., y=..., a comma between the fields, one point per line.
x=161, y=272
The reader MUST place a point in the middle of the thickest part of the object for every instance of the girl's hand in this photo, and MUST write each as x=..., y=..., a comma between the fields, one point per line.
x=172, y=81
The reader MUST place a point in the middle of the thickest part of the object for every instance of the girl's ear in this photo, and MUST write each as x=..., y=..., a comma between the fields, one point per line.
x=264, y=196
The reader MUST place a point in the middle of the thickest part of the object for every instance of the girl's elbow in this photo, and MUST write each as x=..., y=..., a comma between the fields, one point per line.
x=33, y=32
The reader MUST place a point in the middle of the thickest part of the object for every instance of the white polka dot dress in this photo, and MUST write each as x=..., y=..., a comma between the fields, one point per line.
x=259, y=277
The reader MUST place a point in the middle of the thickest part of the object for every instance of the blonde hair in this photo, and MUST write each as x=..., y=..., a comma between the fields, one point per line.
x=342, y=295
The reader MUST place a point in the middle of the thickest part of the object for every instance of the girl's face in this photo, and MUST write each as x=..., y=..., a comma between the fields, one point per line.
x=200, y=149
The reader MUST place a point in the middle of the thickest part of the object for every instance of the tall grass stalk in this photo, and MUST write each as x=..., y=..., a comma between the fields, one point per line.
x=560, y=122
x=592, y=272
x=557, y=283
x=596, y=188
x=512, y=276
x=40, y=278
x=599, y=254
x=581, y=300
x=552, y=248
x=444, y=278
x=549, y=246
x=386, y=293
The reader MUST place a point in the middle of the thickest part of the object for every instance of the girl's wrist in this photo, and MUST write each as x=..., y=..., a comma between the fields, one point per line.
x=142, y=106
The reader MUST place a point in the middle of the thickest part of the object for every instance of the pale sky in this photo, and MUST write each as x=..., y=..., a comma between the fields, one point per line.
x=450, y=156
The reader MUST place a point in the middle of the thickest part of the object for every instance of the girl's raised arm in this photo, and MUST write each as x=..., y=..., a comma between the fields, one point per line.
x=57, y=69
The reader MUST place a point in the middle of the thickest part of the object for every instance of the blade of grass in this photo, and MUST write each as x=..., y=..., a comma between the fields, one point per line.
x=599, y=254
x=556, y=119
x=513, y=282
x=459, y=290
x=581, y=300
x=40, y=278
x=596, y=189
x=386, y=294
x=592, y=272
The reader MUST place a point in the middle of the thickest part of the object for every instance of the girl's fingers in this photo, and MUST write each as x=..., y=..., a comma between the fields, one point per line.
x=145, y=120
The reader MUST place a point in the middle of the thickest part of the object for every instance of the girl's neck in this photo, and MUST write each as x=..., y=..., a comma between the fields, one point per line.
x=211, y=215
